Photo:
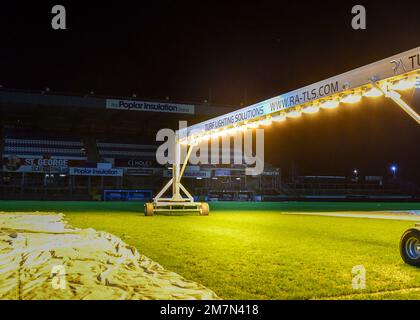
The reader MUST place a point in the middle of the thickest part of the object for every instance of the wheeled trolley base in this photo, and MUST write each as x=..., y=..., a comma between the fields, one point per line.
x=202, y=208
x=410, y=246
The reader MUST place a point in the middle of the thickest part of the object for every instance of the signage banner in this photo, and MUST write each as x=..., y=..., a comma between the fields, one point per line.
x=139, y=172
x=189, y=174
x=96, y=172
x=222, y=173
x=48, y=165
x=135, y=163
x=149, y=106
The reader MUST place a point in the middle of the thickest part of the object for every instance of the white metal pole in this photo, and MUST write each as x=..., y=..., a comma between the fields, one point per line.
x=176, y=196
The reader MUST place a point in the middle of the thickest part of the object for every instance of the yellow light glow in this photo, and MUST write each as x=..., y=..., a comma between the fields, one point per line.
x=329, y=104
x=244, y=127
x=294, y=114
x=279, y=118
x=254, y=125
x=223, y=133
x=232, y=131
x=214, y=135
x=403, y=84
x=310, y=109
x=351, y=98
x=266, y=122
x=373, y=93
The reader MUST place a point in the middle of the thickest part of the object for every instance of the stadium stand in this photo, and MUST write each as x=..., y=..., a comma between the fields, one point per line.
x=109, y=148
x=29, y=143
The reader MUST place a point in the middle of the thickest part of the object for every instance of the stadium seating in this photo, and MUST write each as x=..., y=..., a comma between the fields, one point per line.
x=110, y=148
x=28, y=143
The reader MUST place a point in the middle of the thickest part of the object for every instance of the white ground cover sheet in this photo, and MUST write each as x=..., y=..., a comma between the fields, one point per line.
x=42, y=257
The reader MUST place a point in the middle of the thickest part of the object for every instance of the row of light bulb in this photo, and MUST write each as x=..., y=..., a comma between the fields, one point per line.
x=353, y=97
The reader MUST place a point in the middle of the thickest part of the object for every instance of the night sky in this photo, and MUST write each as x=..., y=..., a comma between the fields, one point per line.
x=230, y=53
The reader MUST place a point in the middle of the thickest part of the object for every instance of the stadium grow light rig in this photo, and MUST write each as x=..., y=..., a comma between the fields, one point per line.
x=383, y=78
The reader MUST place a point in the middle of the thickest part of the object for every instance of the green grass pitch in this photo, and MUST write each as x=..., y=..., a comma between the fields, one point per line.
x=253, y=251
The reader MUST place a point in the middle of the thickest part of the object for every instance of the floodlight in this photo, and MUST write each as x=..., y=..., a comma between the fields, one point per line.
x=223, y=133
x=233, y=130
x=373, y=93
x=215, y=134
x=266, y=122
x=278, y=118
x=294, y=114
x=351, y=98
x=329, y=104
x=404, y=84
x=254, y=125
x=310, y=109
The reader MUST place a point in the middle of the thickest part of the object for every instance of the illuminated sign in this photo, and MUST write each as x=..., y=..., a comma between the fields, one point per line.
x=149, y=106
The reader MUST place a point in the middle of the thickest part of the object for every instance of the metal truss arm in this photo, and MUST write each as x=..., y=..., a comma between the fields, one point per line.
x=396, y=97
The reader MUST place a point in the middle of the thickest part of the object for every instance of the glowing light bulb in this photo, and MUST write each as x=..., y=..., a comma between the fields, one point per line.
x=373, y=93
x=266, y=122
x=351, y=98
x=404, y=84
x=214, y=135
x=243, y=127
x=329, y=104
x=294, y=114
x=254, y=125
x=310, y=109
x=232, y=131
x=223, y=133
x=279, y=118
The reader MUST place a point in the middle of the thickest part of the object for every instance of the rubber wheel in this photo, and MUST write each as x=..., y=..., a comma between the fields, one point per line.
x=204, y=209
x=148, y=209
x=410, y=247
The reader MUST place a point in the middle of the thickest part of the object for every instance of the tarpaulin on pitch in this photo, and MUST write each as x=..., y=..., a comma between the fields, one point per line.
x=41, y=257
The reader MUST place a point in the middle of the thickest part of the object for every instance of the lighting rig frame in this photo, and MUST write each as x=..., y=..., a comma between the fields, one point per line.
x=383, y=78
